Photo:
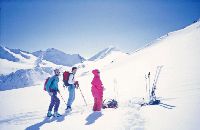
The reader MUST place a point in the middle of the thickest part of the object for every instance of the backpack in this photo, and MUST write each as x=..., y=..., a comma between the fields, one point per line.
x=66, y=75
x=45, y=83
x=111, y=103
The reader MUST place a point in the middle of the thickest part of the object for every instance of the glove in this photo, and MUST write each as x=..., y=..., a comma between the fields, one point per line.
x=76, y=84
x=50, y=94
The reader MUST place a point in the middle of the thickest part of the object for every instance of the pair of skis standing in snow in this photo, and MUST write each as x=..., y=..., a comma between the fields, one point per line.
x=150, y=90
x=51, y=86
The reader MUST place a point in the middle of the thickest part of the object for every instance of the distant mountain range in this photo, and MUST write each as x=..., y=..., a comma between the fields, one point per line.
x=21, y=68
x=58, y=57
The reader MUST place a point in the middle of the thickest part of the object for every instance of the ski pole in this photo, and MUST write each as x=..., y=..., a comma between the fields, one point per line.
x=82, y=96
x=115, y=89
x=156, y=79
x=149, y=86
x=146, y=95
x=62, y=98
x=146, y=82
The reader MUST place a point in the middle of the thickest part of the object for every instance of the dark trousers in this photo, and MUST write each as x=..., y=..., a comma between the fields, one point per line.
x=55, y=102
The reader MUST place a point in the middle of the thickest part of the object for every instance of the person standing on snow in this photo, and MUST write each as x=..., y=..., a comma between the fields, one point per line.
x=97, y=90
x=71, y=88
x=52, y=89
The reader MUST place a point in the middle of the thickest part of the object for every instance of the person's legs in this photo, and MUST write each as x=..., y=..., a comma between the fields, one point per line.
x=52, y=103
x=99, y=104
x=73, y=94
x=71, y=97
x=95, y=104
x=57, y=103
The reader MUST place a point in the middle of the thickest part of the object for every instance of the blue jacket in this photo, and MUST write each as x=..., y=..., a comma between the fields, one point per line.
x=52, y=84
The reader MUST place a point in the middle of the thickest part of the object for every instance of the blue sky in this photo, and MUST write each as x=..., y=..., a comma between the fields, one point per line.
x=88, y=26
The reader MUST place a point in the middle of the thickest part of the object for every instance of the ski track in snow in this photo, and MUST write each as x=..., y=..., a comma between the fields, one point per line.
x=128, y=115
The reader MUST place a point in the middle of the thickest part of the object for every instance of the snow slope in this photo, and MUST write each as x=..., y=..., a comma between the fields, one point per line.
x=178, y=87
x=178, y=84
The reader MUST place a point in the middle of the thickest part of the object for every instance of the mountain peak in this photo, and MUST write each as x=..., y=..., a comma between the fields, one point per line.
x=52, y=49
x=113, y=48
x=104, y=53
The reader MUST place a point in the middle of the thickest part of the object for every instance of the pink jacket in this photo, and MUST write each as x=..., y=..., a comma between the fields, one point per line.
x=97, y=86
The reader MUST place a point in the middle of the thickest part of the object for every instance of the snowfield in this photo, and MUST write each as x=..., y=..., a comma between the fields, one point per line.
x=178, y=88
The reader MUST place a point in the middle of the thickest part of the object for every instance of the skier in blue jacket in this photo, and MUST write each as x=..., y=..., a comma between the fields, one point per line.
x=52, y=89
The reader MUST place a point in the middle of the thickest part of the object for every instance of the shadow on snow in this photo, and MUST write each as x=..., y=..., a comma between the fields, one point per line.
x=45, y=121
x=93, y=117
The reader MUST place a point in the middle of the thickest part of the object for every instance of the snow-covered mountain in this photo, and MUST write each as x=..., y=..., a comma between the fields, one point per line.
x=105, y=52
x=24, y=77
x=102, y=60
x=11, y=54
x=58, y=57
x=31, y=69
x=12, y=60
x=177, y=87
x=22, y=69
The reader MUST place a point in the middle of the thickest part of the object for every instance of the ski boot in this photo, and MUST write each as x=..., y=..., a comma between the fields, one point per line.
x=68, y=109
x=49, y=114
x=56, y=114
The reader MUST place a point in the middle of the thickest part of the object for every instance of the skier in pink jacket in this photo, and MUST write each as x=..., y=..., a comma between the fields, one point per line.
x=97, y=90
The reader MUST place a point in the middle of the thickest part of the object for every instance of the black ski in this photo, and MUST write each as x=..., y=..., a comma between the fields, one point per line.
x=167, y=105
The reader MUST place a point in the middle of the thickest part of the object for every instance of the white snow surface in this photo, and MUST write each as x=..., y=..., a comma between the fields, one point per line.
x=178, y=86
